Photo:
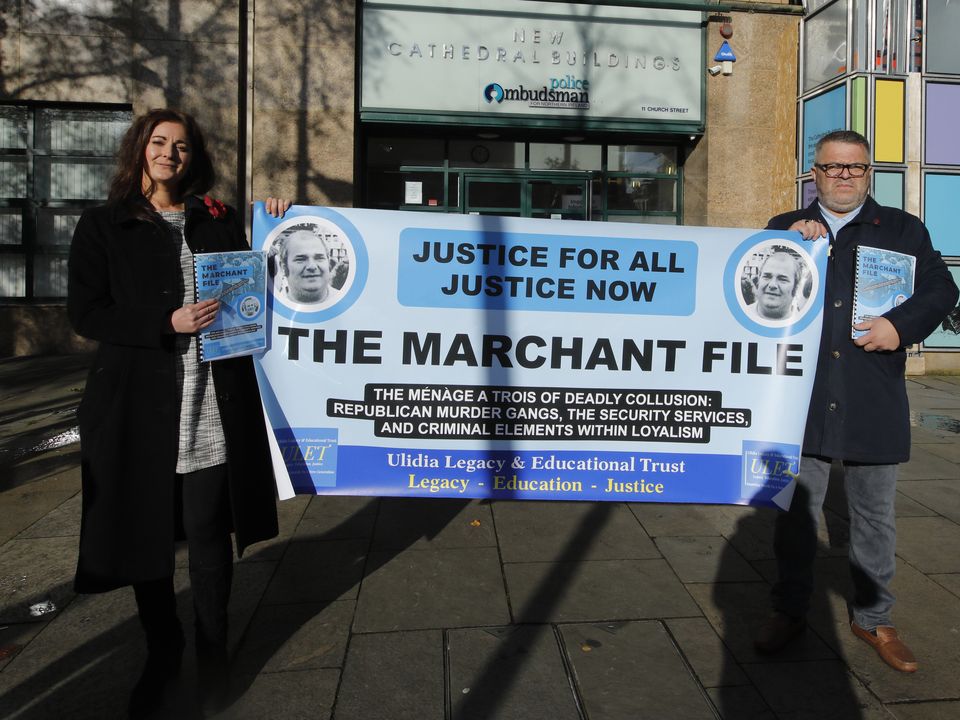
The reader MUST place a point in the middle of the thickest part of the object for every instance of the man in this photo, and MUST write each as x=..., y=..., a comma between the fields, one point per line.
x=308, y=267
x=776, y=286
x=858, y=411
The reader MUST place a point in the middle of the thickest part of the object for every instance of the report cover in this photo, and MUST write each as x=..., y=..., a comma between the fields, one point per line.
x=884, y=279
x=238, y=280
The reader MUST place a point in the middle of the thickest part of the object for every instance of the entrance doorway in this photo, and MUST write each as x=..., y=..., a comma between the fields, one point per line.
x=524, y=178
x=527, y=195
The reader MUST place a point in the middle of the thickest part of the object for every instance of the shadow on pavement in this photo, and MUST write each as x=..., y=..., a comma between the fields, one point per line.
x=807, y=676
x=491, y=689
x=94, y=679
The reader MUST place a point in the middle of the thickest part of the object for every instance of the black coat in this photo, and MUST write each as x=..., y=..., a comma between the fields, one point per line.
x=858, y=409
x=123, y=285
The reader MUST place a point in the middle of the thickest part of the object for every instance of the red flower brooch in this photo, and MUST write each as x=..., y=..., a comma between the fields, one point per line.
x=216, y=208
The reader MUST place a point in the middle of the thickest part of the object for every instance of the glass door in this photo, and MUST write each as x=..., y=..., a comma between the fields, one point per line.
x=492, y=195
x=525, y=195
x=559, y=199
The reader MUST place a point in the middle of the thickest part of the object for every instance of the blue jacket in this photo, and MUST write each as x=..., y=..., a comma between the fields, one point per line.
x=858, y=410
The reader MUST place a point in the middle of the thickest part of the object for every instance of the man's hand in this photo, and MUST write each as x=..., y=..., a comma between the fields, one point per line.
x=882, y=335
x=810, y=229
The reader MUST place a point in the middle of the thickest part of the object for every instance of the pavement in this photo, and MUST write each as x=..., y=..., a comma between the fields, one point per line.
x=396, y=609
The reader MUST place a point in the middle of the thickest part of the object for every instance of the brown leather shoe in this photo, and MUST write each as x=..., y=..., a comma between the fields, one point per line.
x=776, y=632
x=889, y=647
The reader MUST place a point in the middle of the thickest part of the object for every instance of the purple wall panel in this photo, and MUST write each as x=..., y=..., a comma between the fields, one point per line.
x=943, y=108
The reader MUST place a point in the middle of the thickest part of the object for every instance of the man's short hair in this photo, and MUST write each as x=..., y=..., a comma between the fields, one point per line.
x=797, y=266
x=283, y=242
x=850, y=137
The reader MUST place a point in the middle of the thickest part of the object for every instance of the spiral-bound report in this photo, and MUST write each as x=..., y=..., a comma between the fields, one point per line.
x=238, y=280
x=883, y=280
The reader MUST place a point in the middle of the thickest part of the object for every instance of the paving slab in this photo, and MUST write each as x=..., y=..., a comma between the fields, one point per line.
x=710, y=659
x=544, y=531
x=309, y=636
x=915, y=545
x=749, y=530
x=82, y=665
x=301, y=695
x=942, y=496
x=418, y=523
x=421, y=589
x=936, y=413
x=740, y=703
x=28, y=503
x=928, y=396
x=949, y=710
x=35, y=570
x=14, y=638
x=250, y=581
x=829, y=617
x=62, y=521
x=928, y=438
x=59, y=460
x=736, y=611
x=924, y=465
x=289, y=513
x=928, y=619
x=822, y=690
x=659, y=519
x=317, y=571
x=948, y=450
x=705, y=559
x=338, y=517
x=513, y=673
x=946, y=383
x=950, y=582
x=906, y=506
x=594, y=590
x=393, y=676
x=633, y=671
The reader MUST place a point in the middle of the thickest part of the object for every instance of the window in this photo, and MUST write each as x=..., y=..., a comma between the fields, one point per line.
x=54, y=161
x=943, y=51
x=825, y=45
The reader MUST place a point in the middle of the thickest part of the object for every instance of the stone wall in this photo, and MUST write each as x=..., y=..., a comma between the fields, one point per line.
x=303, y=101
x=191, y=54
x=743, y=170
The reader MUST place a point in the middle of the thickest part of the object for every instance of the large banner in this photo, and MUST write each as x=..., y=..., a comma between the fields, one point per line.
x=434, y=355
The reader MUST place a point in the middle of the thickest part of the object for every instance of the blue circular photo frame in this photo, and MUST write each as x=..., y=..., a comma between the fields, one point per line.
x=731, y=283
x=296, y=216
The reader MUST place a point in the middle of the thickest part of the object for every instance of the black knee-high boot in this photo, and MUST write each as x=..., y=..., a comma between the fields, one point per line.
x=157, y=608
x=211, y=594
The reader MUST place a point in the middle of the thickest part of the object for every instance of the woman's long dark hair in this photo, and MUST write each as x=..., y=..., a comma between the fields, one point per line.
x=126, y=187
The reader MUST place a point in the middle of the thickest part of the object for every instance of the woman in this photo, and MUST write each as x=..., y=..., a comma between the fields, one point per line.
x=171, y=448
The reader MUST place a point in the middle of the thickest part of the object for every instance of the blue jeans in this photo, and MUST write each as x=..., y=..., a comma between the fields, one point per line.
x=871, y=491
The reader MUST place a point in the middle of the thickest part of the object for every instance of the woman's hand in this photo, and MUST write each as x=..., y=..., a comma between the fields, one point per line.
x=190, y=319
x=277, y=206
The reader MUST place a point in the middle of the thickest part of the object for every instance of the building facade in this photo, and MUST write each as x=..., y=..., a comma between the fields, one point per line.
x=612, y=111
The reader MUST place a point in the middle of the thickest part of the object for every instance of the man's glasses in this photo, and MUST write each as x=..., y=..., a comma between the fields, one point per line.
x=835, y=170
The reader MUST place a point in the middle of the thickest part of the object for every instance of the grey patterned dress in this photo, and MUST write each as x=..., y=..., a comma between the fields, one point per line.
x=201, y=443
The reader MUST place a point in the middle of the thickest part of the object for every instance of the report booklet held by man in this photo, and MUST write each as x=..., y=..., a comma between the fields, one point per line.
x=884, y=280
x=238, y=280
